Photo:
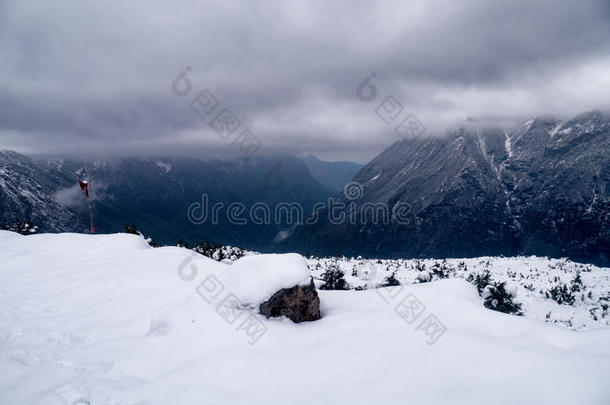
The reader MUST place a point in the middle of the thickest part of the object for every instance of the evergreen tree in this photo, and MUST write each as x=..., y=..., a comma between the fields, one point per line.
x=29, y=228
x=334, y=279
x=17, y=226
x=132, y=229
x=497, y=298
x=481, y=280
x=23, y=228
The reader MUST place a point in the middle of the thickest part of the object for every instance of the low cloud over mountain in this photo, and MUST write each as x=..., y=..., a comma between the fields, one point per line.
x=86, y=77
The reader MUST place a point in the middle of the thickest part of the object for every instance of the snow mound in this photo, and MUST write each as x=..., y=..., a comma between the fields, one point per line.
x=75, y=242
x=254, y=279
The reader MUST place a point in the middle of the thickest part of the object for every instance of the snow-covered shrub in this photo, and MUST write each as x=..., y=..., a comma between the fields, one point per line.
x=577, y=283
x=604, y=309
x=23, y=228
x=334, y=279
x=365, y=270
x=440, y=270
x=391, y=280
x=480, y=280
x=561, y=294
x=437, y=271
x=230, y=253
x=497, y=297
x=152, y=242
x=419, y=265
x=219, y=252
x=133, y=229
x=424, y=276
x=182, y=243
x=205, y=249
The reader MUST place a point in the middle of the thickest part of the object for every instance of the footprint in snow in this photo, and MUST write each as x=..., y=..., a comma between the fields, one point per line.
x=70, y=395
x=160, y=324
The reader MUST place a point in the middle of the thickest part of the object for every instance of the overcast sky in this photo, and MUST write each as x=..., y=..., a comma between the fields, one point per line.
x=82, y=77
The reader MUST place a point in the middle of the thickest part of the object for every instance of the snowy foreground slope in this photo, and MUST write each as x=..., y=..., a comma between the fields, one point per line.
x=106, y=319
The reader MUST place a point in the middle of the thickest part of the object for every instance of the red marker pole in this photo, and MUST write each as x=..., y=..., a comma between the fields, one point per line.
x=91, y=215
x=84, y=185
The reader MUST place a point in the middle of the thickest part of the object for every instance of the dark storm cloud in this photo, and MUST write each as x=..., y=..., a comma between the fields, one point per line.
x=95, y=76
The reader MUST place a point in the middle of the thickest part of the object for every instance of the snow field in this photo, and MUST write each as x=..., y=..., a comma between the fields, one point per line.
x=106, y=319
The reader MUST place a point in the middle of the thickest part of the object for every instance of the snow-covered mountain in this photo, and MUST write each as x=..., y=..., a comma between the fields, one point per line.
x=541, y=188
x=155, y=194
x=106, y=319
x=28, y=190
x=538, y=189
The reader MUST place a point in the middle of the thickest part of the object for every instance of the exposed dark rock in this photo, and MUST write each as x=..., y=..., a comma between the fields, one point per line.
x=299, y=304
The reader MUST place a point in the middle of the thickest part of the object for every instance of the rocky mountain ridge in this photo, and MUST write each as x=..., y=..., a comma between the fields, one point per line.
x=540, y=188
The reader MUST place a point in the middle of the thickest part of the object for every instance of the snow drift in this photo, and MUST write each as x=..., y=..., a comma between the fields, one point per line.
x=106, y=319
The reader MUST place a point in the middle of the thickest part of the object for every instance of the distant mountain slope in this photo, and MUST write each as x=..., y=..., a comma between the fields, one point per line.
x=539, y=189
x=27, y=190
x=155, y=194
x=333, y=175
